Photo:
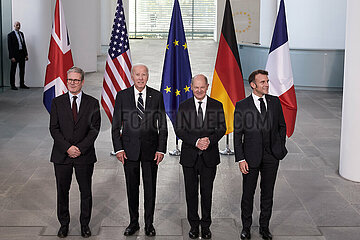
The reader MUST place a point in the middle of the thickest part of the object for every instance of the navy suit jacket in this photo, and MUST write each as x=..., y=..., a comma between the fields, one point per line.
x=67, y=133
x=129, y=134
x=214, y=127
x=247, y=130
x=13, y=45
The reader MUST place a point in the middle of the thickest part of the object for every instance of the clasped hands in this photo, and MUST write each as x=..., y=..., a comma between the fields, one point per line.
x=73, y=151
x=203, y=143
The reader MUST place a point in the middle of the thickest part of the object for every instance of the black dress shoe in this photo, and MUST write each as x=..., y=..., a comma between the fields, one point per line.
x=194, y=232
x=85, y=231
x=63, y=231
x=245, y=233
x=14, y=88
x=130, y=230
x=265, y=233
x=24, y=87
x=150, y=230
x=205, y=233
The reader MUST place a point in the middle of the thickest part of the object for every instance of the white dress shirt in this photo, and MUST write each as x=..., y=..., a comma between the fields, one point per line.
x=136, y=93
x=203, y=105
x=19, y=38
x=257, y=102
x=78, y=100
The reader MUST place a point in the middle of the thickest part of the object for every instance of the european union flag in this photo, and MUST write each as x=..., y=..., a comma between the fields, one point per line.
x=176, y=78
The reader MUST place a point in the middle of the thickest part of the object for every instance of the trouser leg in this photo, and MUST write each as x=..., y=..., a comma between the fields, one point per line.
x=132, y=176
x=83, y=175
x=207, y=177
x=63, y=174
x=268, y=172
x=149, y=174
x=191, y=181
x=247, y=200
x=12, y=73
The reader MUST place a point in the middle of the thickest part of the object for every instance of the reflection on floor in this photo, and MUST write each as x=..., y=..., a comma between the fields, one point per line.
x=311, y=200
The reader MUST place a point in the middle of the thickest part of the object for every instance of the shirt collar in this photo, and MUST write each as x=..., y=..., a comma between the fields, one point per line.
x=203, y=101
x=79, y=95
x=256, y=98
x=137, y=91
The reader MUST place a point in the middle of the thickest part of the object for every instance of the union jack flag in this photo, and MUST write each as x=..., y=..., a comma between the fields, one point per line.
x=59, y=58
x=118, y=63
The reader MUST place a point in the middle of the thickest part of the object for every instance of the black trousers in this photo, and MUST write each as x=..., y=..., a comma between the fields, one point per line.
x=268, y=170
x=21, y=61
x=192, y=176
x=132, y=176
x=63, y=174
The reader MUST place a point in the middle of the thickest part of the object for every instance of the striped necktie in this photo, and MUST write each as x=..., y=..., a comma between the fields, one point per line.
x=140, y=107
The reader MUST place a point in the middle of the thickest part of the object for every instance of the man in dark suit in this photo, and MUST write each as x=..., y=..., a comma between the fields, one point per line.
x=259, y=142
x=74, y=126
x=139, y=135
x=200, y=124
x=17, y=54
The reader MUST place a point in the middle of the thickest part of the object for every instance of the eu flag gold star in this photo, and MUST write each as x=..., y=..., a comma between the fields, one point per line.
x=185, y=46
x=167, y=47
x=177, y=92
x=167, y=89
x=176, y=43
x=187, y=88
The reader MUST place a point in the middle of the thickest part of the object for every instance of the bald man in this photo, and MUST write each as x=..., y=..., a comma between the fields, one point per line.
x=17, y=54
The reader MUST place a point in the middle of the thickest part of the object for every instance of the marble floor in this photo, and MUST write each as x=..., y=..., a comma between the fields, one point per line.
x=312, y=202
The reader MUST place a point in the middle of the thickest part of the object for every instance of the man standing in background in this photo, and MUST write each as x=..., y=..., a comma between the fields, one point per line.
x=17, y=54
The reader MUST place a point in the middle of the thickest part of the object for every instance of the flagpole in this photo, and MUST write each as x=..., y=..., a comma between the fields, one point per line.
x=227, y=150
x=177, y=151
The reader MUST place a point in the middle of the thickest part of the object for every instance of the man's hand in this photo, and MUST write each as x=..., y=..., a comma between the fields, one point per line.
x=26, y=58
x=73, y=151
x=158, y=157
x=121, y=156
x=203, y=143
x=13, y=60
x=244, y=167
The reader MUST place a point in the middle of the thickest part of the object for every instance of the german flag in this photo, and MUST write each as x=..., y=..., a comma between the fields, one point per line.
x=228, y=84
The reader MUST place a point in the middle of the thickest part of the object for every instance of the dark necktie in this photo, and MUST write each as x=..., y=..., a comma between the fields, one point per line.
x=200, y=115
x=262, y=107
x=74, y=108
x=140, y=107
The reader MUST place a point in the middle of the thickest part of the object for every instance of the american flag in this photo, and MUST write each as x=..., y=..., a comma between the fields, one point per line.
x=59, y=59
x=118, y=63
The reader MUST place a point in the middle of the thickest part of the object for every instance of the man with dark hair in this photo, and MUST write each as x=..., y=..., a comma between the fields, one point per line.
x=74, y=126
x=200, y=124
x=17, y=54
x=139, y=135
x=259, y=142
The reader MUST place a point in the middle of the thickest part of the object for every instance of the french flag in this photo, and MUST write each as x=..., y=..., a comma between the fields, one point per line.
x=280, y=73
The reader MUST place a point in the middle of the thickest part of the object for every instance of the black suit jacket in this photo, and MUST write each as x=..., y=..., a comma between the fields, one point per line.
x=186, y=129
x=131, y=135
x=67, y=133
x=13, y=45
x=247, y=130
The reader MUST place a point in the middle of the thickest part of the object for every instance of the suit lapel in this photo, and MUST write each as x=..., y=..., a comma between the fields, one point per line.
x=131, y=100
x=83, y=107
x=270, y=110
x=148, y=99
x=67, y=106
